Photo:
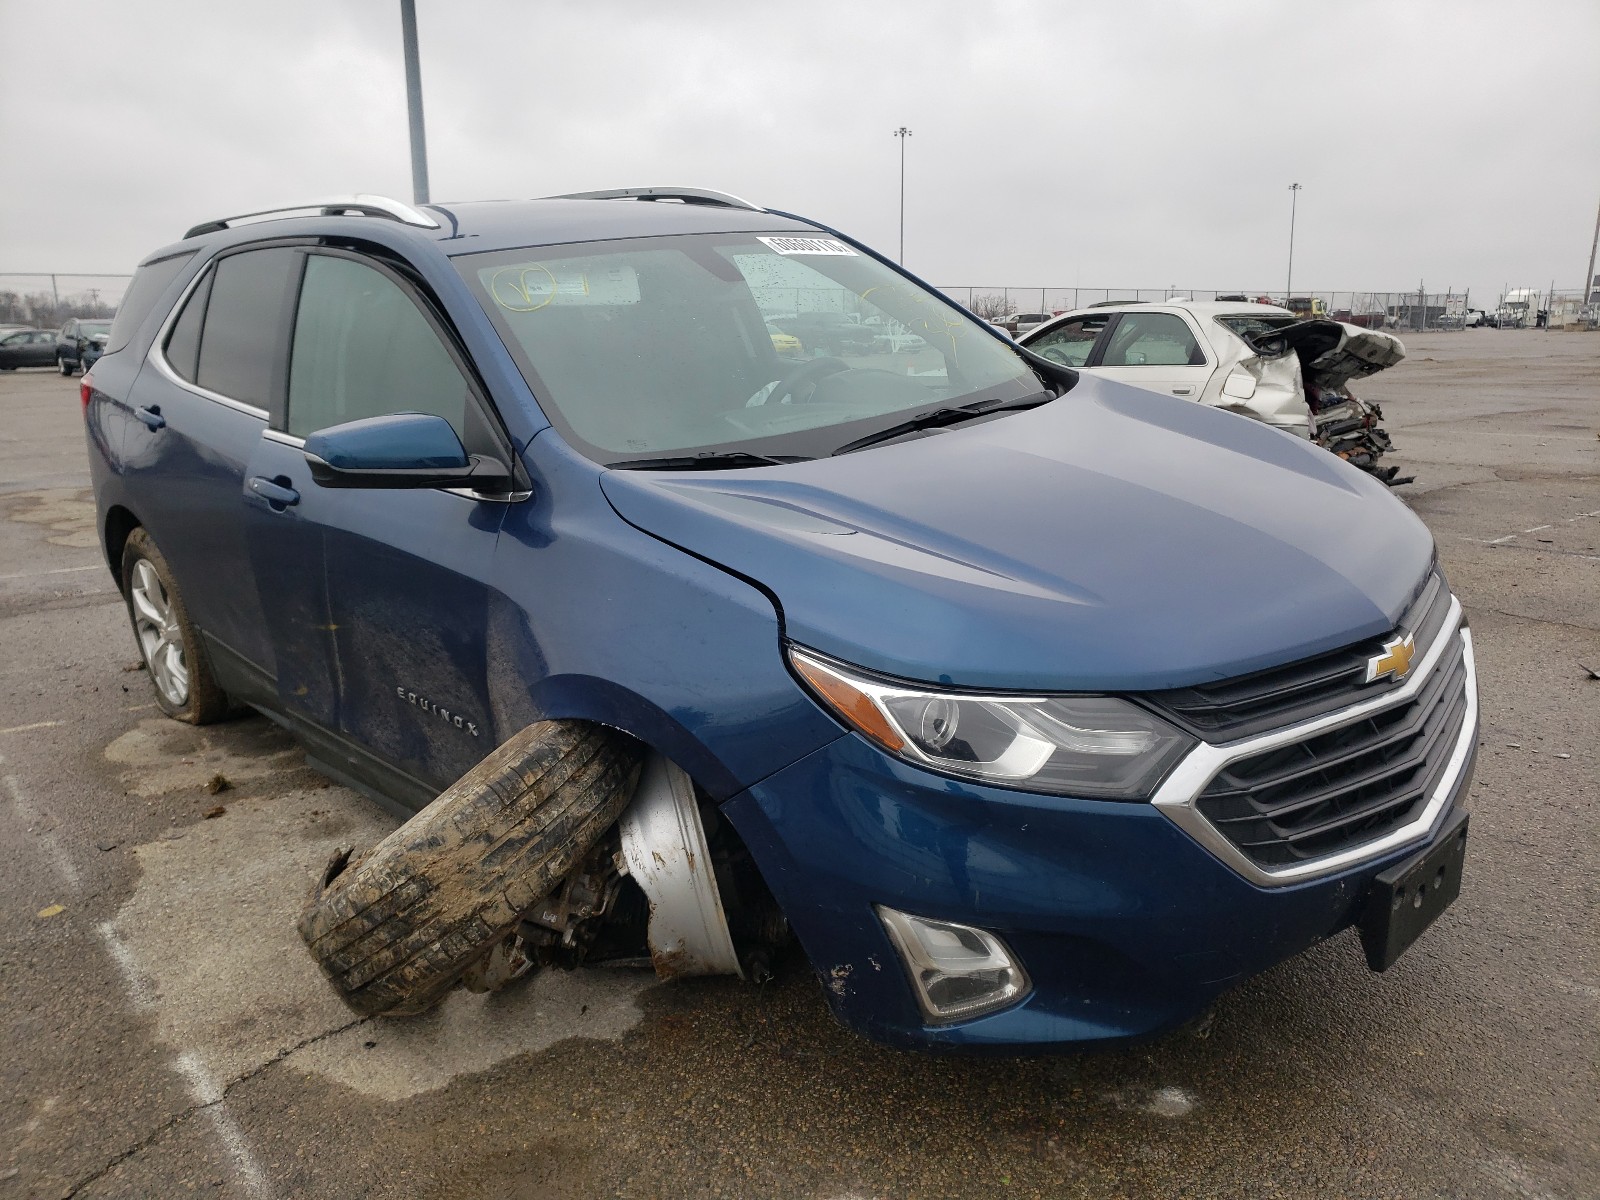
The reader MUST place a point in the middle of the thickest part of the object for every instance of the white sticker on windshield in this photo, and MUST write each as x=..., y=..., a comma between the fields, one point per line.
x=805, y=245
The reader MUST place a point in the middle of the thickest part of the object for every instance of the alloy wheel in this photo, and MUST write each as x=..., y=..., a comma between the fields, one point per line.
x=160, y=638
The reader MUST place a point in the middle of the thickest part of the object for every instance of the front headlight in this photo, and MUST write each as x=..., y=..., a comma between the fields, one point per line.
x=1091, y=746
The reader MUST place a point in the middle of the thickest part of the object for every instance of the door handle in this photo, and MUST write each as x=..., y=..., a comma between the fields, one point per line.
x=277, y=494
x=151, y=417
x=1183, y=391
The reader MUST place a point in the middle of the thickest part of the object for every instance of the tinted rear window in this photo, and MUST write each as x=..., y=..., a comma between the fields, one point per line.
x=183, y=343
x=245, y=329
x=149, y=282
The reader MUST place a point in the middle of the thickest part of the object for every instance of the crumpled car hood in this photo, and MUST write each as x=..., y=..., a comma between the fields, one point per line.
x=1114, y=540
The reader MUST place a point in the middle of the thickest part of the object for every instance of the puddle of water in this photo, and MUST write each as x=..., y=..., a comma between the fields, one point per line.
x=68, y=513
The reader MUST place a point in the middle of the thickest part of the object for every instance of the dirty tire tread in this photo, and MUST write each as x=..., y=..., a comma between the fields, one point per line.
x=372, y=955
x=207, y=702
x=398, y=925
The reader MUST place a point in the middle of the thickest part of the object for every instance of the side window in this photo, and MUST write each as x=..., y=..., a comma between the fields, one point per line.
x=183, y=343
x=1145, y=339
x=149, y=281
x=1069, y=344
x=362, y=348
x=242, y=337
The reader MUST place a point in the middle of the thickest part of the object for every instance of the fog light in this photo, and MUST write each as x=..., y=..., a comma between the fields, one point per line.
x=958, y=972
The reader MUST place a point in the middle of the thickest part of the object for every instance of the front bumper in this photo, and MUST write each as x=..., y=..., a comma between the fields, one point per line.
x=1126, y=923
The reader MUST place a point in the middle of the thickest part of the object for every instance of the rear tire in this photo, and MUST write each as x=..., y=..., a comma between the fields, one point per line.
x=395, y=928
x=65, y=367
x=170, y=645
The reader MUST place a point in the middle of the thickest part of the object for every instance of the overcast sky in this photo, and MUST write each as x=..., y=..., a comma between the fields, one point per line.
x=1065, y=144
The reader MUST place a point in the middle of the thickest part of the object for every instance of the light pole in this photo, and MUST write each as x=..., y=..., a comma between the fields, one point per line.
x=419, y=144
x=1588, y=276
x=902, y=133
x=1294, y=199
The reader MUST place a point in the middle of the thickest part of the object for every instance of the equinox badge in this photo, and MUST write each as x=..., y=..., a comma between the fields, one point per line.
x=1394, y=661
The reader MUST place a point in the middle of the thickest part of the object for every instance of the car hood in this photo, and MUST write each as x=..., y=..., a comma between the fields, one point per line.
x=1114, y=540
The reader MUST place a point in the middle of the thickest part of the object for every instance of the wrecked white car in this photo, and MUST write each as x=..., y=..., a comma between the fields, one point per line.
x=1255, y=359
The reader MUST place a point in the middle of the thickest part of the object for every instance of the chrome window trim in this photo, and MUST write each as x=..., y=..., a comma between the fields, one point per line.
x=487, y=497
x=1177, y=798
x=157, y=355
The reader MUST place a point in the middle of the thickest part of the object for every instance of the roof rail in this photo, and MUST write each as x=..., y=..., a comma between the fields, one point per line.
x=686, y=195
x=330, y=206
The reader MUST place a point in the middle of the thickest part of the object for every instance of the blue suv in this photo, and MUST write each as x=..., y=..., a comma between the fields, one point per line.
x=1041, y=708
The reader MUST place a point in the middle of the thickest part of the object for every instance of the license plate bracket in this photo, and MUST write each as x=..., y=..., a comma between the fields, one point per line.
x=1409, y=896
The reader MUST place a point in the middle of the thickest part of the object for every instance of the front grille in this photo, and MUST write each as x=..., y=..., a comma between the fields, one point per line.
x=1250, y=704
x=1346, y=786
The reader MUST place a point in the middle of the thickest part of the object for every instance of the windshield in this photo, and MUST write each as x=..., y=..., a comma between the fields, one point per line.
x=770, y=345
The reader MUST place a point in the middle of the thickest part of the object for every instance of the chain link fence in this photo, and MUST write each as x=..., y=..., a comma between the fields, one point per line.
x=1516, y=308
x=45, y=301
x=1414, y=310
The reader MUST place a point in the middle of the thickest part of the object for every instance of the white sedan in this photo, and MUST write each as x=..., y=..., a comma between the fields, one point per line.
x=1228, y=355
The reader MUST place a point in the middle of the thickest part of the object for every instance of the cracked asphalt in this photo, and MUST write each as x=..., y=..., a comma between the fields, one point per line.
x=166, y=1034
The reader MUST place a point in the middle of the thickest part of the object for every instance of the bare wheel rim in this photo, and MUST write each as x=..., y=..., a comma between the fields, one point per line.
x=160, y=639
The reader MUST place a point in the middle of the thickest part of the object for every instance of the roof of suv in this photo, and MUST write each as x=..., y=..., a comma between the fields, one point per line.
x=476, y=226
x=505, y=224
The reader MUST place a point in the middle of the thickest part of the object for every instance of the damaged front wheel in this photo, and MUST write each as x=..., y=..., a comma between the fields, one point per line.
x=436, y=899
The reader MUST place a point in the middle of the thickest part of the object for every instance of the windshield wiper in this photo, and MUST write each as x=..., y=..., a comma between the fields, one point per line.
x=707, y=460
x=938, y=417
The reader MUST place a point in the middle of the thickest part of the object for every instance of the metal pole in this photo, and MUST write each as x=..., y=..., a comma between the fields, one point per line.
x=419, y=143
x=902, y=133
x=1294, y=200
x=1588, y=277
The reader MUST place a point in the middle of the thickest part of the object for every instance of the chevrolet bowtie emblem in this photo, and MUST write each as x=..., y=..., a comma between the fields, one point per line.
x=1394, y=661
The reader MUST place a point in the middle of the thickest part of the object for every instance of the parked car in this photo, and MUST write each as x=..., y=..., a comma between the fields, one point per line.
x=27, y=348
x=1253, y=359
x=828, y=332
x=786, y=344
x=1042, y=708
x=80, y=343
x=1019, y=323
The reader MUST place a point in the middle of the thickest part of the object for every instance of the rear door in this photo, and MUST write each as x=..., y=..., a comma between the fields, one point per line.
x=199, y=407
x=388, y=645
x=1160, y=351
x=43, y=349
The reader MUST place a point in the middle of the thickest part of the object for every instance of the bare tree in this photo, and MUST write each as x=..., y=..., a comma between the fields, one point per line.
x=992, y=308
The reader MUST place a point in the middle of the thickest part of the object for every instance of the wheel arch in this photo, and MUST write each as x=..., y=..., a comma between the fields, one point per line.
x=118, y=528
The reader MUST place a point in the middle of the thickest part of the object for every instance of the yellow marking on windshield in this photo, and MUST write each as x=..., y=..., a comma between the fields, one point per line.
x=514, y=293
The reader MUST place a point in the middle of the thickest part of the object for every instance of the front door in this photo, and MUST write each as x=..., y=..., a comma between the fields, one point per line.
x=385, y=641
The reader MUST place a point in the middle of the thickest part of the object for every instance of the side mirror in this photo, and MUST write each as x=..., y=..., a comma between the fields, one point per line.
x=403, y=450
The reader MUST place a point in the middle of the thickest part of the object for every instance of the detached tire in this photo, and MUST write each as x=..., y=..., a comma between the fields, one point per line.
x=395, y=928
